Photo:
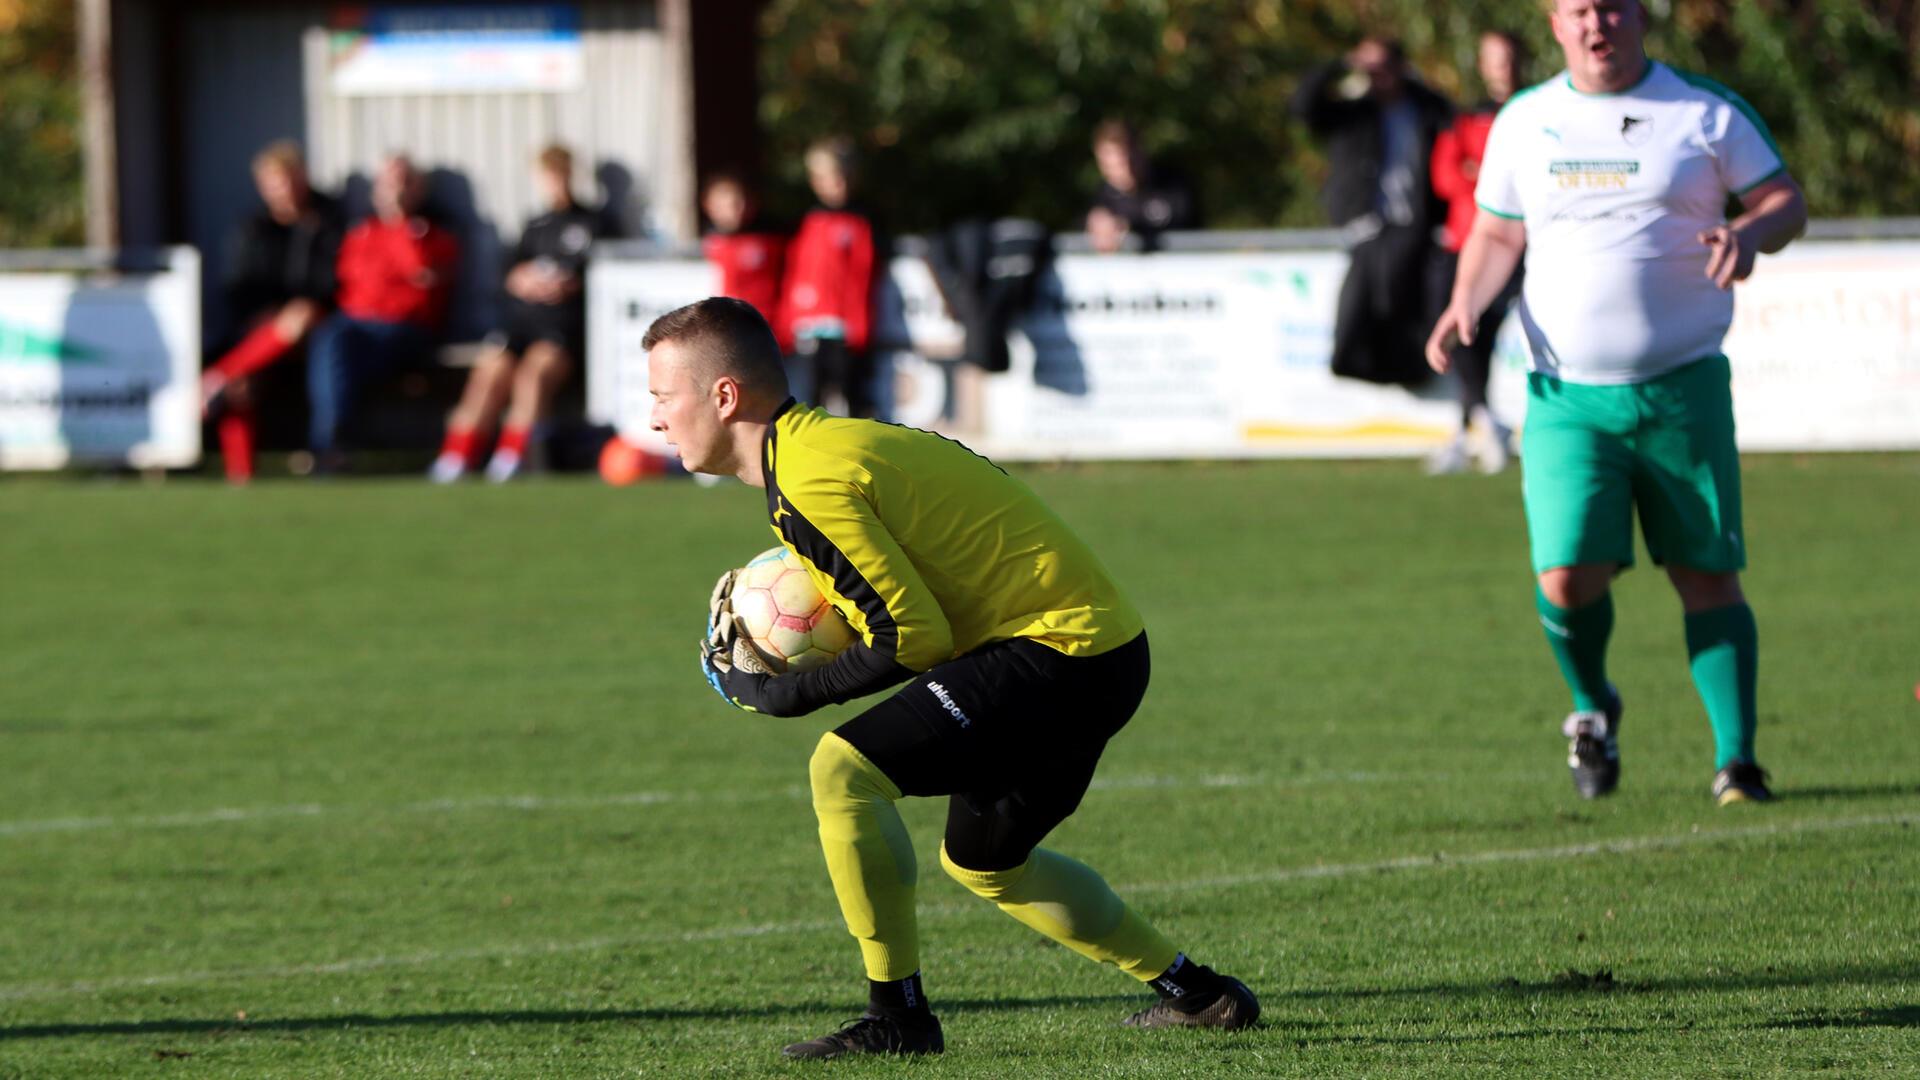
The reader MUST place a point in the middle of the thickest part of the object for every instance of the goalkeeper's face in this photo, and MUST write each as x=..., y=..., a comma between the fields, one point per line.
x=687, y=410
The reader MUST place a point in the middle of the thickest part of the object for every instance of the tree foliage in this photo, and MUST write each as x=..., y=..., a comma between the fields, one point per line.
x=42, y=201
x=987, y=106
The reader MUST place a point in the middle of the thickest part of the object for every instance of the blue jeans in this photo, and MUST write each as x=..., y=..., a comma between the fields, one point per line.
x=345, y=355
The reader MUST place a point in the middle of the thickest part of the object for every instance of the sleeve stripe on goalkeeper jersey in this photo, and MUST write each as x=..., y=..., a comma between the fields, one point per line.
x=812, y=545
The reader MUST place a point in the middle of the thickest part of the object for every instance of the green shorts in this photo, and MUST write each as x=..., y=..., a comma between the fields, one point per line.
x=1590, y=454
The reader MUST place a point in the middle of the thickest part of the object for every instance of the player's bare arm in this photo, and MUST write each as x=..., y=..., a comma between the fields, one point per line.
x=1487, y=260
x=1776, y=213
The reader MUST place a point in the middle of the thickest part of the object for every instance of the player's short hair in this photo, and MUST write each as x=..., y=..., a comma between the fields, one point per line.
x=282, y=154
x=725, y=177
x=724, y=336
x=1116, y=131
x=836, y=149
x=556, y=158
x=1396, y=49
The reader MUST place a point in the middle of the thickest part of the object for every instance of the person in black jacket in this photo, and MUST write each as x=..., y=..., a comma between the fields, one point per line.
x=1378, y=123
x=1136, y=198
x=541, y=335
x=279, y=281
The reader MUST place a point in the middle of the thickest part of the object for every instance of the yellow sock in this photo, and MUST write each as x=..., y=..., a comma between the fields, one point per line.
x=1071, y=903
x=869, y=857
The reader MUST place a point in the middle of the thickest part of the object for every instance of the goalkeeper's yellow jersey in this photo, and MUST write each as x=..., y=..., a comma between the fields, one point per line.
x=929, y=549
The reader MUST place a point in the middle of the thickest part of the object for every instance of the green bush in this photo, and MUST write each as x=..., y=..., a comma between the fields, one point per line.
x=42, y=200
x=986, y=106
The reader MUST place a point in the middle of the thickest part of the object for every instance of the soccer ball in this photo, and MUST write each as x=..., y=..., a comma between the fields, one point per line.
x=784, y=615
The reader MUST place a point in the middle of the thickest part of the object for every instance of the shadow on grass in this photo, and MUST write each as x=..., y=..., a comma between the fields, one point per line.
x=346, y=1021
x=1904, y=1016
x=1571, y=981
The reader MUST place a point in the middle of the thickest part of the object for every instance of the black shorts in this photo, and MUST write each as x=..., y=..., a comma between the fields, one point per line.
x=523, y=324
x=1012, y=731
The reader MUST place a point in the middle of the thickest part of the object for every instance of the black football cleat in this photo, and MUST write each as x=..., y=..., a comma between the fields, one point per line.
x=1742, y=781
x=1593, y=749
x=873, y=1034
x=1233, y=1008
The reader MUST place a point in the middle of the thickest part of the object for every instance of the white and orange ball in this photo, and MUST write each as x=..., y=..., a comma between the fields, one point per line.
x=785, y=615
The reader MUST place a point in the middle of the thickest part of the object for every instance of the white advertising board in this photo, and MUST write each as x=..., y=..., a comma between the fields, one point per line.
x=480, y=48
x=624, y=296
x=1227, y=355
x=1825, y=350
x=101, y=369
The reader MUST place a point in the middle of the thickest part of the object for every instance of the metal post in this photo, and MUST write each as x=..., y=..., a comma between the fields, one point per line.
x=95, y=24
x=675, y=199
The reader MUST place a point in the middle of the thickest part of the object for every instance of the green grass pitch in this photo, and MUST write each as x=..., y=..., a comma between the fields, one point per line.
x=376, y=780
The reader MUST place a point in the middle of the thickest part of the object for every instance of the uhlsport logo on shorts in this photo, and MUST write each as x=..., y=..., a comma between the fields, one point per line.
x=946, y=702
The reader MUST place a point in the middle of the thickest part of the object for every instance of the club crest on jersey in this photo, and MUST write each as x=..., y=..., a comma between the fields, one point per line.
x=1636, y=130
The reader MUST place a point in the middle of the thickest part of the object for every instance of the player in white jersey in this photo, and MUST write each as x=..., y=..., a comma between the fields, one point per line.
x=1614, y=177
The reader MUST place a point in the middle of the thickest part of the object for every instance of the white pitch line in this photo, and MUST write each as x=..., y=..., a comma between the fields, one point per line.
x=1435, y=861
x=1442, y=860
x=788, y=793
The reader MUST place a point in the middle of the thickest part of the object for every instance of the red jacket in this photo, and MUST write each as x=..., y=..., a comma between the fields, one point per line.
x=397, y=271
x=750, y=265
x=1456, y=169
x=829, y=275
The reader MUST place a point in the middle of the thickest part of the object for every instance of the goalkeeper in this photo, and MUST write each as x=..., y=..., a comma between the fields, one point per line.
x=1020, y=655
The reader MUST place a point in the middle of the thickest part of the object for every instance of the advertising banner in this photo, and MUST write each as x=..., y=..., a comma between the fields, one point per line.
x=401, y=49
x=1178, y=355
x=624, y=296
x=101, y=369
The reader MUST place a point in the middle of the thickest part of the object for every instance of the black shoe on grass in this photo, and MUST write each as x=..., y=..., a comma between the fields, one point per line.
x=1231, y=1009
x=872, y=1034
x=1593, y=750
x=1742, y=781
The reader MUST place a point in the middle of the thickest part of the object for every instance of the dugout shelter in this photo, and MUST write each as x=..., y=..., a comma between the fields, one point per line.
x=181, y=93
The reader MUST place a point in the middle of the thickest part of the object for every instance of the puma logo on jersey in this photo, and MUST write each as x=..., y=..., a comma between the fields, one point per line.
x=1636, y=129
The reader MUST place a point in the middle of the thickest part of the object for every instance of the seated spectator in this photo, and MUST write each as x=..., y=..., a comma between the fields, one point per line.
x=749, y=255
x=1135, y=198
x=542, y=332
x=826, y=300
x=279, y=282
x=395, y=271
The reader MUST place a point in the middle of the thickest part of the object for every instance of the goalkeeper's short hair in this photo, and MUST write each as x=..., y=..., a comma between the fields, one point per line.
x=724, y=336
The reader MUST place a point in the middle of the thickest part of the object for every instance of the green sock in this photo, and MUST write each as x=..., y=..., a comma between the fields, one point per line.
x=1724, y=650
x=1579, y=640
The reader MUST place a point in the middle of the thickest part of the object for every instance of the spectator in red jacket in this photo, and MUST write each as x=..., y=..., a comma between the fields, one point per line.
x=395, y=271
x=749, y=255
x=279, y=282
x=541, y=336
x=826, y=302
x=1455, y=170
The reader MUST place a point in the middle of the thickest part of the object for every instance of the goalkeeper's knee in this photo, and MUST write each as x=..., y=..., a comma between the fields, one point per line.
x=841, y=774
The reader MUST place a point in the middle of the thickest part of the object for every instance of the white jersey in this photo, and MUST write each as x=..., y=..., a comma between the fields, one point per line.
x=1615, y=190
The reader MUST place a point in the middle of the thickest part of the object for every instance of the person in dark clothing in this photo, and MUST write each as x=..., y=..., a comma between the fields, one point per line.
x=1136, y=198
x=1456, y=170
x=826, y=303
x=1378, y=124
x=541, y=336
x=279, y=282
